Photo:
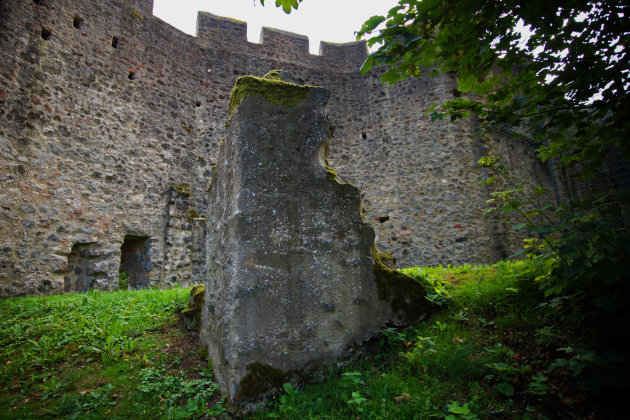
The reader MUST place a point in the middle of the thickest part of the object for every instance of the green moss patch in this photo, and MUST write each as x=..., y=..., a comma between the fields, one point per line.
x=260, y=379
x=271, y=88
x=193, y=215
x=182, y=189
x=406, y=295
x=331, y=174
x=192, y=314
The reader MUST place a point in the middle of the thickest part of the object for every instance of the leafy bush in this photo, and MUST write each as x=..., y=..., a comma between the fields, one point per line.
x=586, y=251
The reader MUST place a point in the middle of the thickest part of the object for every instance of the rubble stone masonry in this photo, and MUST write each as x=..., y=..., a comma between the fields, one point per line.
x=110, y=121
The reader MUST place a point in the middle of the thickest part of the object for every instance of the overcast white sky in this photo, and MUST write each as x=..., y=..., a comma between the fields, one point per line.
x=320, y=20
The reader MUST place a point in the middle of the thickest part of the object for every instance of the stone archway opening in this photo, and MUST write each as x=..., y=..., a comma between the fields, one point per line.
x=135, y=261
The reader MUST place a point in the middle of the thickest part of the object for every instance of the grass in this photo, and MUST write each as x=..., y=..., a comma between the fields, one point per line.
x=479, y=356
x=115, y=354
x=485, y=352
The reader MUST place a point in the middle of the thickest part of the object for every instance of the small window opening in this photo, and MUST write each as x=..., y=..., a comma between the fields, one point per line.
x=383, y=219
x=197, y=104
x=46, y=34
x=115, y=41
x=77, y=22
x=364, y=135
x=132, y=75
x=38, y=2
x=135, y=261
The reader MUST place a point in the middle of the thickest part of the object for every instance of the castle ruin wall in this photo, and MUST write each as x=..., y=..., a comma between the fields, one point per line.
x=110, y=121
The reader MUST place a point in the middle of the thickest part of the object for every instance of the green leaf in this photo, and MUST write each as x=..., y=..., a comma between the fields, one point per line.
x=287, y=5
x=288, y=388
x=370, y=25
x=391, y=76
x=466, y=82
x=505, y=389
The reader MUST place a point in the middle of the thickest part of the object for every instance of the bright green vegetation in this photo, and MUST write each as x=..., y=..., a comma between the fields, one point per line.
x=271, y=88
x=123, y=280
x=489, y=349
x=102, y=354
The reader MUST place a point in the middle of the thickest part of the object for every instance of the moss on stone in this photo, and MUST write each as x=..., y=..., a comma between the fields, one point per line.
x=197, y=296
x=387, y=259
x=193, y=215
x=183, y=189
x=274, y=75
x=260, y=379
x=406, y=296
x=272, y=88
x=202, y=352
x=330, y=172
x=136, y=14
x=192, y=314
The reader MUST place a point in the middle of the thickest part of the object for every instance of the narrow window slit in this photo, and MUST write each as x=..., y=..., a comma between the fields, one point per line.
x=46, y=34
x=115, y=41
x=77, y=22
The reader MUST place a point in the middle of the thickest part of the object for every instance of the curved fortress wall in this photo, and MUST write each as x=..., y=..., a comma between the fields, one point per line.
x=110, y=121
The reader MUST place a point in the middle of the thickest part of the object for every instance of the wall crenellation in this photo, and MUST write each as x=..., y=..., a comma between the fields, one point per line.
x=106, y=111
x=220, y=32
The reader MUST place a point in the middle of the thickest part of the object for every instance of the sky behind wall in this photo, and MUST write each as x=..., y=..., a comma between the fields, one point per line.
x=320, y=20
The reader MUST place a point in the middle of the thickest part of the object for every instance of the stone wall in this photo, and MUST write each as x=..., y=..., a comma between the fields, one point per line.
x=110, y=121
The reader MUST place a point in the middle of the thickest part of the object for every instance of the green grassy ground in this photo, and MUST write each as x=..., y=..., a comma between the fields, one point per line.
x=485, y=352
x=96, y=355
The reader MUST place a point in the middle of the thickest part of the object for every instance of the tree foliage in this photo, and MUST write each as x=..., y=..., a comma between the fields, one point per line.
x=567, y=81
x=287, y=5
x=563, y=82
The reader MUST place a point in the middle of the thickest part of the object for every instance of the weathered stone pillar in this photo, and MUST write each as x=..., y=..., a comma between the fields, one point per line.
x=291, y=281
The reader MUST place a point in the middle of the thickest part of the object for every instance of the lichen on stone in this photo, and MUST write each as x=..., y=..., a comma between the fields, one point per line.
x=136, y=14
x=271, y=87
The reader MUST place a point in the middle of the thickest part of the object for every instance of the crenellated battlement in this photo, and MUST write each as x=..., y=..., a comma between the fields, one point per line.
x=143, y=7
x=216, y=31
x=352, y=54
x=287, y=45
x=110, y=125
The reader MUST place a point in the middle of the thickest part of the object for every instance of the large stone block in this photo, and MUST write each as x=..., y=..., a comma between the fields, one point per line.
x=291, y=278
